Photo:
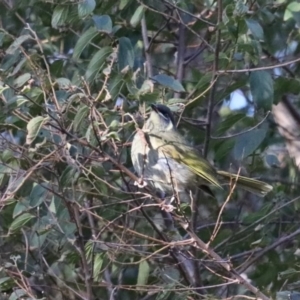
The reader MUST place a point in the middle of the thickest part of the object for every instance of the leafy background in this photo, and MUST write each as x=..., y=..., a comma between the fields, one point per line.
x=77, y=79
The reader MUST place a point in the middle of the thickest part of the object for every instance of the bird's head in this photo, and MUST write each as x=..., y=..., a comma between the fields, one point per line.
x=160, y=119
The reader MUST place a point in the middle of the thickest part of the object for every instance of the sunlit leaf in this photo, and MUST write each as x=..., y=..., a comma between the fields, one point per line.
x=98, y=262
x=33, y=128
x=123, y=3
x=144, y=270
x=292, y=9
x=137, y=16
x=21, y=80
x=16, y=101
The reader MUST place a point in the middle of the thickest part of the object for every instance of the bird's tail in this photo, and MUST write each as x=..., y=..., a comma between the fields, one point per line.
x=257, y=187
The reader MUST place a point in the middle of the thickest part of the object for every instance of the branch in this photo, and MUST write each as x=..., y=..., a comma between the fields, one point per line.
x=147, y=48
x=213, y=80
x=180, y=55
x=222, y=262
x=260, y=68
x=269, y=248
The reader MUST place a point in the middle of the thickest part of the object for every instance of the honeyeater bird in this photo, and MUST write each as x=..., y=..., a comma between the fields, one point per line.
x=163, y=158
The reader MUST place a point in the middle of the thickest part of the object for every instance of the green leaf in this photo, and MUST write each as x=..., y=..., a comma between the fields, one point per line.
x=15, y=102
x=291, y=9
x=147, y=87
x=33, y=128
x=17, y=294
x=56, y=206
x=6, y=283
x=84, y=41
x=125, y=54
x=103, y=23
x=169, y=82
x=98, y=262
x=19, y=66
x=17, y=43
x=115, y=86
x=255, y=216
x=38, y=194
x=137, y=16
x=261, y=86
x=68, y=176
x=3, y=88
x=229, y=122
x=284, y=85
x=21, y=80
x=10, y=60
x=224, y=148
x=240, y=8
x=248, y=142
x=255, y=29
x=123, y=4
x=144, y=270
x=63, y=83
x=86, y=7
x=20, y=207
x=60, y=16
x=20, y=222
x=38, y=238
x=81, y=115
x=97, y=63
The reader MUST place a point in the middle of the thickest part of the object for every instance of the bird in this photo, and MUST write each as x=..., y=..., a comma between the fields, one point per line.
x=162, y=158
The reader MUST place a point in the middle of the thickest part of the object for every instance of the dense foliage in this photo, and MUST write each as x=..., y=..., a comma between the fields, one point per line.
x=77, y=79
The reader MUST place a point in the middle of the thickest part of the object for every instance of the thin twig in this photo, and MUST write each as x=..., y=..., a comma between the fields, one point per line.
x=243, y=132
x=218, y=223
x=180, y=55
x=168, y=16
x=254, y=224
x=214, y=78
x=277, y=243
x=188, y=13
x=222, y=263
x=146, y=47
x=47, y=67
x=260, y=68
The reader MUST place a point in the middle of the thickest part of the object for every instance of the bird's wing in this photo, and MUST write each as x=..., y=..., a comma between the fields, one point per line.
x=186, y=155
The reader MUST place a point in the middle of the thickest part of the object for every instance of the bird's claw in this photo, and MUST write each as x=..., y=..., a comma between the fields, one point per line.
x=167, y=206
x=140, y=183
